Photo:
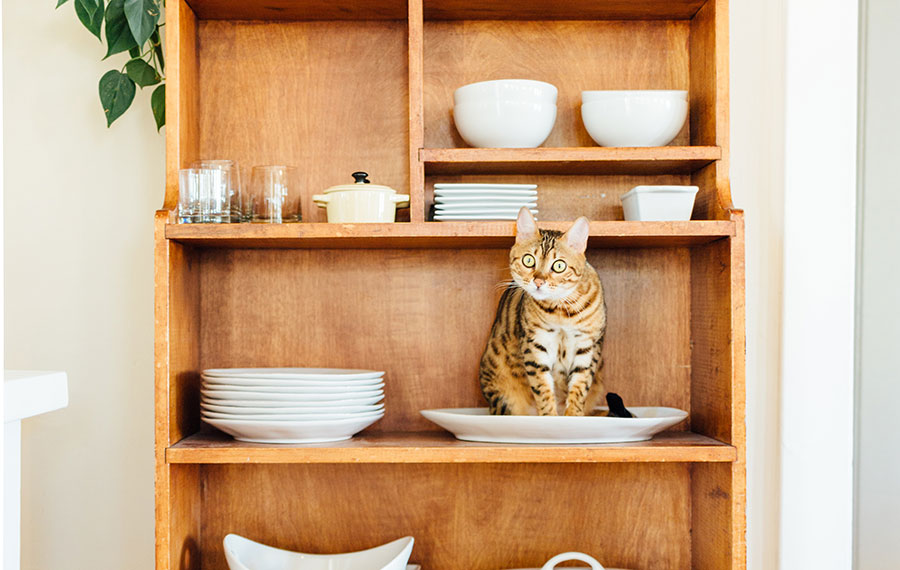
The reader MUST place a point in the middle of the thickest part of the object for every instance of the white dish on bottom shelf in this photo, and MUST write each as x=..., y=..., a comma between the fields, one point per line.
x=244, y=554
x=206, y=405
x=299, y=392
x=316, y=385
x=302, y=417
x=476, y=424
x=320, y=374
x=289, y=398
x=267, y=402
x=293, y=432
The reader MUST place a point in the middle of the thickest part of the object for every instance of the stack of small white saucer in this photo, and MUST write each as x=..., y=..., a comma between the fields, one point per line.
x=459, y=202
x=291, y=405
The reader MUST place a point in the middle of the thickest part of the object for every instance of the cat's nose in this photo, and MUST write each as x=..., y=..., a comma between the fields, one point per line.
x=538, y=282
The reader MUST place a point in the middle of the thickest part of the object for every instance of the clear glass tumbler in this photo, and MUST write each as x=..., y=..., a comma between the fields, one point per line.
x=203, y=196
x=274, y=194
x=231, y=178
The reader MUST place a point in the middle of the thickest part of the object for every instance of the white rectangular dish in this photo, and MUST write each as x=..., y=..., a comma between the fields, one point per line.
x=659, y=203
x=476, y=424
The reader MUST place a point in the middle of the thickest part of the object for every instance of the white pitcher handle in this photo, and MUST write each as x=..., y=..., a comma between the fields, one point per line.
x=572, y=556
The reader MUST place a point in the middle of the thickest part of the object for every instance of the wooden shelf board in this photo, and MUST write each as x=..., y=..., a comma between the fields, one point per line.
x=446, y=10
x=585, y=160
x=425, y=235
x=568, y=10
x=441, y=447
x=299, y=10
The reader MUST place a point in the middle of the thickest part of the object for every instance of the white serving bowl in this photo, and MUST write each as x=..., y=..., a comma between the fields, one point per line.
x=634, y=118
x=527, y=90
x=659, y=203
x=504, y=123
x=244, y=554
x=587, y=96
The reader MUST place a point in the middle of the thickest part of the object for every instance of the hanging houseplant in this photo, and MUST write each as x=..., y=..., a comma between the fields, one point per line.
x=133, y=27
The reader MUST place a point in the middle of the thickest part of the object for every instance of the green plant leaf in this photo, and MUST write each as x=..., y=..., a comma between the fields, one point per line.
x=158, y=104
x=116, y=94
x=61, y=2
x=135, y=52
x=141, y=72
x=118, y=34
x=90, y=12
x=142, y=16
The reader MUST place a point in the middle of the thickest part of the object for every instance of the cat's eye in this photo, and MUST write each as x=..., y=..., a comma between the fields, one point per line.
x=559, y=266
x=528, y=260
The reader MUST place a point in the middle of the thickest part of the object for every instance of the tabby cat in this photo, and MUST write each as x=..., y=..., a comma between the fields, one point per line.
x=544, y=351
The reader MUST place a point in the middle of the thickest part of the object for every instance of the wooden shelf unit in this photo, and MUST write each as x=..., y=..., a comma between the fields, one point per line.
x=346, y=85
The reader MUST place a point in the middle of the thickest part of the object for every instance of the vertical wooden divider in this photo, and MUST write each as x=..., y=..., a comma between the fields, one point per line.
x=182, y=92
x=416, y=112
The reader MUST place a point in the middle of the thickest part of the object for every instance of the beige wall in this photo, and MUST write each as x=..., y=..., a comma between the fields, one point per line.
x=78, y=210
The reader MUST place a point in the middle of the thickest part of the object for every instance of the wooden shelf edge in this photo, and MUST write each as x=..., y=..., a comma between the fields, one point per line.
x=487, y=234
x=584, y=160
x=441, y=447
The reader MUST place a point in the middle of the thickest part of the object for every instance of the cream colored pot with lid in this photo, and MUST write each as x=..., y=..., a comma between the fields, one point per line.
x=361, y=202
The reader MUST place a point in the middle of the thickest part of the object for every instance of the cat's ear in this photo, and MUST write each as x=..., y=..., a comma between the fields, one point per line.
x=577, y=236
x=526, y=227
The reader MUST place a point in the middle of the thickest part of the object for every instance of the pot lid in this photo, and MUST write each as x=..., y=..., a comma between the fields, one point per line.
x=361, y=183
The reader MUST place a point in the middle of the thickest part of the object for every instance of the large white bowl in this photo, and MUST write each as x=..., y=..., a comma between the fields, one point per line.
x=634, y=118
x=508, y=90
x=504, y=123
x=244, y=554
x=587, y=96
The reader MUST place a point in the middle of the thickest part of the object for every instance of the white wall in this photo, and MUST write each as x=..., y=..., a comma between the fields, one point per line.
x=78, y=211
x=757, y=186
x=878, y=439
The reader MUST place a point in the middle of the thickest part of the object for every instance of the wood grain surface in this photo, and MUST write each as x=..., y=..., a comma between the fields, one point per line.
x=442, y=447
x=328, y=97
x=573, y=56
x=584, y=160
x=556, y=10
x=300, y=10
x=424, y=316
x=437, y=235
x=463, y=517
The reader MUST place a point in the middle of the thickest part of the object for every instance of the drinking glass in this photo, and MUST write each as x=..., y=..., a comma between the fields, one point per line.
x=231, y=178
x=274, y=194
x=202, y=196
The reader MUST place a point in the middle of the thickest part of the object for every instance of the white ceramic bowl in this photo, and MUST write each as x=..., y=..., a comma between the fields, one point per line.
x=244, y=554
x=527, y=90
x=504, y=123
x=659, y=203
x=634, y=118
x=587, y=96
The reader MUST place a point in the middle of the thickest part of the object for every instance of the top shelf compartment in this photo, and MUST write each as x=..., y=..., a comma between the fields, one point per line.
x=446, y=9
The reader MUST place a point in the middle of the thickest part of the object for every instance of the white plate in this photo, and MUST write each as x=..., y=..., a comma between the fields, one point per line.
x=481, y=186
x=293, y=397
x=293, y=432
x=480, y=211
x=311, y=410
x=280, y=403
x=289, y=417
x=343, y=384
x=475, y=424
x=334, y=392
x=462, y=217
x=524, y=195
x=321, y=374
x=498, y=200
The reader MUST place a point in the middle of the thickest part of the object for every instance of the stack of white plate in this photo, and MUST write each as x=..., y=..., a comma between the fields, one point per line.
x=291, y=405
x=483, y=201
